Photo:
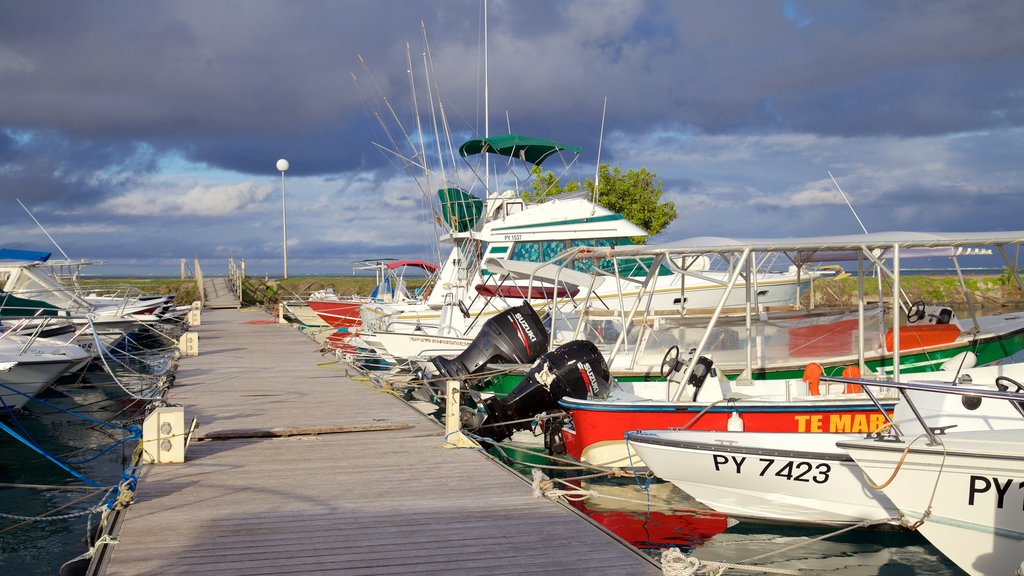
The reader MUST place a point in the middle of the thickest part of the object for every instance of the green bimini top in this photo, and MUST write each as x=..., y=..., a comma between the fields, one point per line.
x=532, y=150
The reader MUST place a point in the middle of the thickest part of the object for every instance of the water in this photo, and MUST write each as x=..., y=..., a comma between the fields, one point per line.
x=30, y=483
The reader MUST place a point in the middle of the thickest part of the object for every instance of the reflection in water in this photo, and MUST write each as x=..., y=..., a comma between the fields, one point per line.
x=659, y=515
x=41, y=547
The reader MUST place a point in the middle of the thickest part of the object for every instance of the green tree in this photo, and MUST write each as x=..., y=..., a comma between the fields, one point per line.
x=636, y=194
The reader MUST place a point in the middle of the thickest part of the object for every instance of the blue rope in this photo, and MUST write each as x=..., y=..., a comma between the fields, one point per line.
x=14, y=417
x=129, y=481
x=135, y=433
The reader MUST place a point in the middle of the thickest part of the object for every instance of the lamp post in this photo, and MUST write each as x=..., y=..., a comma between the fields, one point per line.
x=282, y=166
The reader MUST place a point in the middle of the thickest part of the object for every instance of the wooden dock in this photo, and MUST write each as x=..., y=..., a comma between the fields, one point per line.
x=218, y=293
x=389, y=500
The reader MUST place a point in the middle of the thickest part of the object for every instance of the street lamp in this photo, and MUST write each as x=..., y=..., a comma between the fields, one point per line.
x=282, y=166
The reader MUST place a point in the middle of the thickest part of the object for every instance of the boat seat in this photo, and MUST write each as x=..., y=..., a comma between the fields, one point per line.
x=917, y=336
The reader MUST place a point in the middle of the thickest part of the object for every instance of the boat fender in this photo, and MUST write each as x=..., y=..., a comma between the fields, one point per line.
x=735, y=423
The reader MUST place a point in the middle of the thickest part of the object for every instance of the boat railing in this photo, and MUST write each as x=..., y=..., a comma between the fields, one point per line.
x=31, y=328
x=1002, y=392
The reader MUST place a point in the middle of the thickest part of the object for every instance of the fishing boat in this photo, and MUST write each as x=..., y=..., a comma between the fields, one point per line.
x=806, y=478
x=698, y=394
x=960, y=487
x=508, y=229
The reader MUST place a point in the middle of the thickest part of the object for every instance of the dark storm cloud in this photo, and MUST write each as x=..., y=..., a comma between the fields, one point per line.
x=95, y=97
x=226, y=81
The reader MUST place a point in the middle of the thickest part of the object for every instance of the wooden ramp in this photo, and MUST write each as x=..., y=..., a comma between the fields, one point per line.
x=218, y=293
x=390, y=500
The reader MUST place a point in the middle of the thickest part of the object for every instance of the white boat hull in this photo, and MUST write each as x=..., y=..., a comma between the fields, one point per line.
x=741, y=474
x=967, y=492
x=24, y=375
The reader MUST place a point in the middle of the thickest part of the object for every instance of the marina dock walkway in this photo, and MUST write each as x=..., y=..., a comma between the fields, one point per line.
x=387, y=501
x=218, y=293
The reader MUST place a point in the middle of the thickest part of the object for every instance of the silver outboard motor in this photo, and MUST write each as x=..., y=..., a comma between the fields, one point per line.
x=517, y=335
x=576, y=369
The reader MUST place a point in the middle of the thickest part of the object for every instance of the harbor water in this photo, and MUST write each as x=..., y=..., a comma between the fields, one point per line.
x=84, y=421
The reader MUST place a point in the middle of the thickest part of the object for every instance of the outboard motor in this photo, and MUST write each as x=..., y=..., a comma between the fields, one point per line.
x=516, y=335
x=575, y=369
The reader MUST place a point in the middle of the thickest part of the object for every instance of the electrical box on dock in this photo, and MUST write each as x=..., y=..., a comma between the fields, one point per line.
x=188, y=344
x=164, y=436
x=195, y=315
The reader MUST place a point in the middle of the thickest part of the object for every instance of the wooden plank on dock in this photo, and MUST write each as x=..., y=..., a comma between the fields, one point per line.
x=380, y=497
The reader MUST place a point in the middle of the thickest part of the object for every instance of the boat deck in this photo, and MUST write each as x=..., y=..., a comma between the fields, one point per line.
x=386, y=500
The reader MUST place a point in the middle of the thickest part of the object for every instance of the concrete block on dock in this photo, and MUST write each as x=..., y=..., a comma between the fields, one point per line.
x=195, y=315
x=188, y=344
x=164, y=436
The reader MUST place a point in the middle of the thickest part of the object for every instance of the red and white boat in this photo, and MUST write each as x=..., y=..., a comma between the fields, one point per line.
x=342, y=313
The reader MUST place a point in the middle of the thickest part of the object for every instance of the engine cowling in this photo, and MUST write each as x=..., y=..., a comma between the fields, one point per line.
x=576, y=369
x=517, y=335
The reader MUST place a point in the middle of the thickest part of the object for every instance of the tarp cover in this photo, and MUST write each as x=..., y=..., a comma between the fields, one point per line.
x=31, y=255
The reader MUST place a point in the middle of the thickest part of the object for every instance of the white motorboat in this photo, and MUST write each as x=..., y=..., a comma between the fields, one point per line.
x=800, y=477
x=506, y=227
x=962, y=488
x=29, y=365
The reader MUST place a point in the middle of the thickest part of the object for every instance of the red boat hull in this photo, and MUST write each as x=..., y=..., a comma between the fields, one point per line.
x=593, y=423
x=337, y=313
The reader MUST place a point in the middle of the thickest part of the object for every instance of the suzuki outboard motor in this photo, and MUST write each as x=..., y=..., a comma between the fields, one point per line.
x=517, y=335
x=575, y=369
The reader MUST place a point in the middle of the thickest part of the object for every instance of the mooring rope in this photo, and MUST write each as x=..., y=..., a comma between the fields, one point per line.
x=675, y=563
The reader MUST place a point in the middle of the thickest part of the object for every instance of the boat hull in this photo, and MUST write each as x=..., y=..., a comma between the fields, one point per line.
x=337, y=313
x=597, y=430
x=750, y=475
x=969, y=492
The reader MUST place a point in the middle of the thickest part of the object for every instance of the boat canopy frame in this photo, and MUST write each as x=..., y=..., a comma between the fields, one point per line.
x=876, y=248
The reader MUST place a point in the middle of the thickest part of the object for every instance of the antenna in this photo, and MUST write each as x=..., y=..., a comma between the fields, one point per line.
x=600, y=142
x=847, y=201
x=66, y=257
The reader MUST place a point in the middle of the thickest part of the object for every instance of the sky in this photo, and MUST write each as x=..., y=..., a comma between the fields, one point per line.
x=139, y=133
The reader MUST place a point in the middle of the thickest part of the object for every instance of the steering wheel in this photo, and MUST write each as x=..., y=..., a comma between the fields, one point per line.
x=916, y=312
x=1002, y=381
x=672, y=364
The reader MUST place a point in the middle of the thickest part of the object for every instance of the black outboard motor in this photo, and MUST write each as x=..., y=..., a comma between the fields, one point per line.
x=517, y=335
x=575, y=369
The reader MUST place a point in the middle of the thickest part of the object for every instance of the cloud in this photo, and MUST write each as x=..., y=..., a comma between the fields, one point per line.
x=740, y=108
x=198, y=200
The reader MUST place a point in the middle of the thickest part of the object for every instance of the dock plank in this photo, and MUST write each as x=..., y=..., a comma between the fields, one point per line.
x=366, y=502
